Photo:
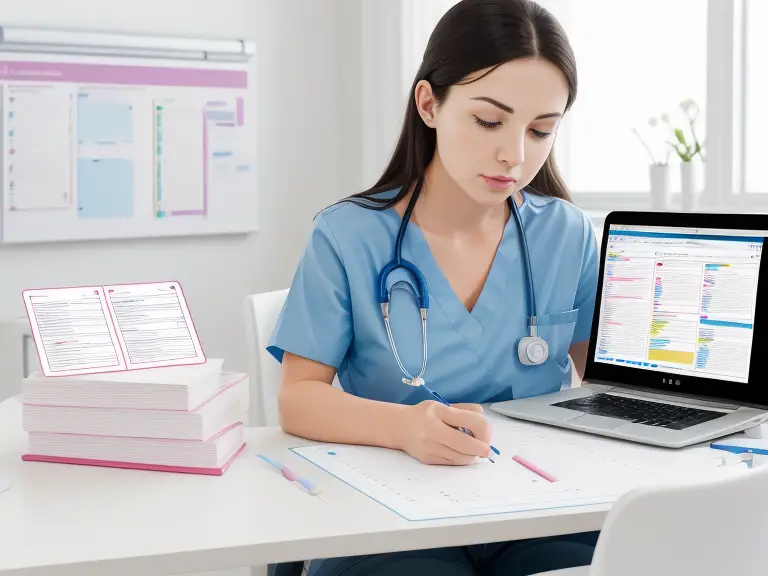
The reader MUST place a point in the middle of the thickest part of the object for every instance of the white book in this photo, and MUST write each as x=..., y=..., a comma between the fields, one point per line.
x=170, y=388
x=210, y=457
x=225, y=407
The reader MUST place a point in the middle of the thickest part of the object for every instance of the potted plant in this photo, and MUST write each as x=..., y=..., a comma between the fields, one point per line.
x=687, y=146
x=685, y=143
x=658, y=169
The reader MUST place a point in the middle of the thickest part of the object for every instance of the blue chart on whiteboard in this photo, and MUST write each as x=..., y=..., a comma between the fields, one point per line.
x=98, y=149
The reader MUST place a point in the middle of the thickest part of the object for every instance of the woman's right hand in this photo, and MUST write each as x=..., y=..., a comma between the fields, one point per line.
x=430, y=434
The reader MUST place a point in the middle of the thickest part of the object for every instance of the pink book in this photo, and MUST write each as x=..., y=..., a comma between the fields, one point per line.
x=226, y=406
x=178, y=388
x=212, y=456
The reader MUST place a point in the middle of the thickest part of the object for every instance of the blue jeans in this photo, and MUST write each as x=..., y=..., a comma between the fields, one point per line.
x=516, y=558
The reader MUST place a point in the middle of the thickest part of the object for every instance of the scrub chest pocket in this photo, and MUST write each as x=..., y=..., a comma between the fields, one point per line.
x=557, y=329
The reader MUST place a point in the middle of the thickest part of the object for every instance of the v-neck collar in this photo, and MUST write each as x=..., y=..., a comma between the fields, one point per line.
x=468, y=324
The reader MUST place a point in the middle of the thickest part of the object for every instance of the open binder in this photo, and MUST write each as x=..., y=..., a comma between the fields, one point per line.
x=98, y=329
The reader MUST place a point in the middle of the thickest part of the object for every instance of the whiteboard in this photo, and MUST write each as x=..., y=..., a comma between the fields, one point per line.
x=99, y=148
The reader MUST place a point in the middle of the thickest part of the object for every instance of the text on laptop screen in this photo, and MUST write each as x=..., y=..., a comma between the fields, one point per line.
x=679, y=300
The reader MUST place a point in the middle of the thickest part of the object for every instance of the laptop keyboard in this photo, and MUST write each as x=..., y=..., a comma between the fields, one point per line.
x=641, y=411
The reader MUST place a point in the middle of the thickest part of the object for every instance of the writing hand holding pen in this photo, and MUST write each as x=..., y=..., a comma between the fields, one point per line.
x=479, y=409
x=437, y=433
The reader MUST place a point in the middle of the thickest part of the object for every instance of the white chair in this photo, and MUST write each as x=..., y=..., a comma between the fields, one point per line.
x=261, y=314
x=575, y=380
x=712, y=528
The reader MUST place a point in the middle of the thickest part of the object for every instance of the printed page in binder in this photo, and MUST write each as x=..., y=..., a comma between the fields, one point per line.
x=96, y=329
x=588, y=470
x=29, y=112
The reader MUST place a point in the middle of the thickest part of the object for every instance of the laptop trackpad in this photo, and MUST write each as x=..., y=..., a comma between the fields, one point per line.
x=599, y=422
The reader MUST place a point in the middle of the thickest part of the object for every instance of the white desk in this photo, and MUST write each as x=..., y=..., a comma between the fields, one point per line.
x=77, y=520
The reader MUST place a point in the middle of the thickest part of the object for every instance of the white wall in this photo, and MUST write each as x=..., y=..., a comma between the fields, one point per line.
x=308, y=78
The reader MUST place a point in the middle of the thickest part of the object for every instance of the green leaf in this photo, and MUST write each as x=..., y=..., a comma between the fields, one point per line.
x=679, y=135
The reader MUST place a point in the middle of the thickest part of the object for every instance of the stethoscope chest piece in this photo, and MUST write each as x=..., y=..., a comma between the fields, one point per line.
x=532, y=350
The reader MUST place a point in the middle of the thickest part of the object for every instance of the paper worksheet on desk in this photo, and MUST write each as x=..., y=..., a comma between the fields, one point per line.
x=588, y=470
x=98, y=329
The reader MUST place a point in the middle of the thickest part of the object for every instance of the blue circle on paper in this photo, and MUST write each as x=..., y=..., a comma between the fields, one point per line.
x=331, y=453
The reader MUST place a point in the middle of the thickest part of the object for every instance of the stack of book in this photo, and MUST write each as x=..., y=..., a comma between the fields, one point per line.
x=178, y=419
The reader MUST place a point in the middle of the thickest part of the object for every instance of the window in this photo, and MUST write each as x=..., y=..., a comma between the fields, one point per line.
x=635, y=60
x=638, y=60
x=756, y=82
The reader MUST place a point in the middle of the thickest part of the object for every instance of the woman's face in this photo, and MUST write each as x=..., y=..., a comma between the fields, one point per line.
x=494, y=134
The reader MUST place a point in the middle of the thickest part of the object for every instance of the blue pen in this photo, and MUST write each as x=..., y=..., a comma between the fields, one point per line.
x=460, y=428
x=739, y=449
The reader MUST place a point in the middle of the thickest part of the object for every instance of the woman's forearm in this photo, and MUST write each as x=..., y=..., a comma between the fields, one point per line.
x=318, y=411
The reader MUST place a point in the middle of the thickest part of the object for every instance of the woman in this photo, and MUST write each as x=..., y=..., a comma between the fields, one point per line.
x=475, y=153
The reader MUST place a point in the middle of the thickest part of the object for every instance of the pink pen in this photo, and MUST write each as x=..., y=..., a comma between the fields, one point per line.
x=290, y=475
x=533, y=468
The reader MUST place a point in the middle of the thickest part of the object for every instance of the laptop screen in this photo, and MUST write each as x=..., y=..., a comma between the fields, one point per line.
x=679, y=301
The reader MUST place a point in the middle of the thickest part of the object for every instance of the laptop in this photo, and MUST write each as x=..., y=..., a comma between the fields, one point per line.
x=676, y=353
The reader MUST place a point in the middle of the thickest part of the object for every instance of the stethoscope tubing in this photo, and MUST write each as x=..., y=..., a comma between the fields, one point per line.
x=422, y=293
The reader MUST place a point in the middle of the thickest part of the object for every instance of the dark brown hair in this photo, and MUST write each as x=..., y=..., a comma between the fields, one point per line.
x=474, y=35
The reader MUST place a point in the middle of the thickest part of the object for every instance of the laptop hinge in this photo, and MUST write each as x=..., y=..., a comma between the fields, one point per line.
x=651, y=394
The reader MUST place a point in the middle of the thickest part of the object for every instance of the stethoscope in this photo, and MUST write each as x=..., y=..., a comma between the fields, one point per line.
x=532, y=350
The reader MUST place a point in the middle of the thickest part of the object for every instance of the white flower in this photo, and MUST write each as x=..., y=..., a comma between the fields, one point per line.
x=689, y=106
x=665, y=117
x=653, y=122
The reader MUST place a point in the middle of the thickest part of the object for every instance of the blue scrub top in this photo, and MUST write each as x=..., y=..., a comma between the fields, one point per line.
x=332, y=314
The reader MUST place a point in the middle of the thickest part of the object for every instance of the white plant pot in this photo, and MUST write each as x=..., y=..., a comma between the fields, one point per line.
x=659, y=179
x=687, y=186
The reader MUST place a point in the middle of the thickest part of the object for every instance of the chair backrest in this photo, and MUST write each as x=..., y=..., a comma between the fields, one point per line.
x=575, y=380
x=709, y=528
x=261, y=314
